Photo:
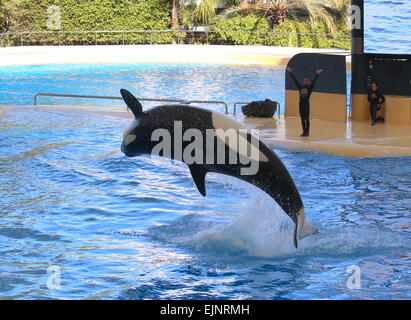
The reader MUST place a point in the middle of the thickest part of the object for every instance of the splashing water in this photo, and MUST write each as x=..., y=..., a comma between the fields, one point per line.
x=262, y=229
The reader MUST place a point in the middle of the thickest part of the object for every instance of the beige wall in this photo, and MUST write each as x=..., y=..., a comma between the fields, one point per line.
x=324, y=106
x=360, y=107
x=396, y=109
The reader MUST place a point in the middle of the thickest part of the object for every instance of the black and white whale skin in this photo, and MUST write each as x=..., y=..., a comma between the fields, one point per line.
x=271, y=176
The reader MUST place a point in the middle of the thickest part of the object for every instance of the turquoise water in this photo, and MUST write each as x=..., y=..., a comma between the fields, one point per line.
x=136, y=228
x=387, y=26
x=18, y=85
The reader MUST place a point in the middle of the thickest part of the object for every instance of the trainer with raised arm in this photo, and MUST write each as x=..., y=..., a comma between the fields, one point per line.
x=305, y=92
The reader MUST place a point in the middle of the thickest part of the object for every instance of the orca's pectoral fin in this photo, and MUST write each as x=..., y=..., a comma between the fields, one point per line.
x=198, y=173
x=132, y=103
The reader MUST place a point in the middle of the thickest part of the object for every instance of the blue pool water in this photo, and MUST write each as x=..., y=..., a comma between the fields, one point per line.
x=136, y=228
x=387, y=26
x=19, y=84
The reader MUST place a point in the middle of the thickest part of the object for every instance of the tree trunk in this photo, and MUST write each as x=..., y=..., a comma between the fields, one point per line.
x=174, y=13
x=244, y=6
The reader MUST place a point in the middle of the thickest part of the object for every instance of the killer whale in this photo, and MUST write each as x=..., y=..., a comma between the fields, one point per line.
x=272, y=176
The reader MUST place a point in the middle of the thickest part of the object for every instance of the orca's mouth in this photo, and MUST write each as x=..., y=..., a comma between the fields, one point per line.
x=126, y=151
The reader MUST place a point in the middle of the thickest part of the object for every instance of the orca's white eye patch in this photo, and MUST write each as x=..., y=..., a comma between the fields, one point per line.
x=129, y=139
x=133, y=125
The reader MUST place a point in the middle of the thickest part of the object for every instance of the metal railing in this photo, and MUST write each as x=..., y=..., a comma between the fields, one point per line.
x=147, y=36
x=81, y=96
x=120, y=98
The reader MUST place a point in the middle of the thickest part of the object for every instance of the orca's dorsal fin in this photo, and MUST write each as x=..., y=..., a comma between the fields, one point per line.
x=198, y=173
x=132, y=102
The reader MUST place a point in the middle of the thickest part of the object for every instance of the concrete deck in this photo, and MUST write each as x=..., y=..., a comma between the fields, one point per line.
x=260, y=55
x=352, y=139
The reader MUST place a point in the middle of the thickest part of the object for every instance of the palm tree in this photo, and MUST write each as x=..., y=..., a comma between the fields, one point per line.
x=205, y=11
x=330, y=12
x=174, y=13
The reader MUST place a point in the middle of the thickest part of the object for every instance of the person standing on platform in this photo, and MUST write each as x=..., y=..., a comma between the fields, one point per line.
x=305, y=91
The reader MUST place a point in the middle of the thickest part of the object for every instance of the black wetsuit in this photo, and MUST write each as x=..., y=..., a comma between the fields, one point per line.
x=375, y=98
x=305, y=93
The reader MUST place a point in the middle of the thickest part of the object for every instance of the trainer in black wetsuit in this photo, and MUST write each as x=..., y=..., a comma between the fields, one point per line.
x=375, y=98
x=305, y=92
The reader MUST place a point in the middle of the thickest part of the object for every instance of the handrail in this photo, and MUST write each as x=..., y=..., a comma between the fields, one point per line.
x=237, y=103
x=21, y=34
x=172, y=30
x=120, y=98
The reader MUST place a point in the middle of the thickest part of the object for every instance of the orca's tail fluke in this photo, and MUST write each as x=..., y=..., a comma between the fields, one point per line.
x=307, y=230
x=303, y=228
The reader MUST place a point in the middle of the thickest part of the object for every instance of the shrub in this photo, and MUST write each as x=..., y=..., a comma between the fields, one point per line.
x=3, y=15
x=293, y=37
x=239, y=23
x=290, y=33
x=80, y=15
x=90, y=15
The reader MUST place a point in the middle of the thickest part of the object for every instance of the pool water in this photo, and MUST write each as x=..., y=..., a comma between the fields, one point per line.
x=387, y=26
x=230, y=83
x=137, y=228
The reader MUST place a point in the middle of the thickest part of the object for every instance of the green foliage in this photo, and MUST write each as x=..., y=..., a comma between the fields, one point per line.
x=88, y=15
x=186, y=14
x=287, y=35
x=205, y=11
x=96, y=14
x=239, y=23
x=3, y=15
x=85, y=15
